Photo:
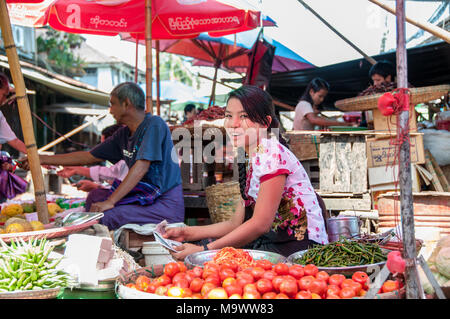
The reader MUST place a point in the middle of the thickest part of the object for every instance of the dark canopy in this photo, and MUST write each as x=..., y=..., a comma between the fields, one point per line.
x=427, y=65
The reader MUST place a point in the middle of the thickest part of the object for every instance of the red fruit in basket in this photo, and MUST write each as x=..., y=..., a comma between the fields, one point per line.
x=318, y=287
x=276, y=282
x=233, y=289
x=357, y=287
x=163, y=280
x=152, y=286
x=269, y=275
x=305, y=282
x=281, y=296
x=389, y=286
x=281, y=269
x=347, y=293
x=323, y=275
x=182, y=283
x=362, y=278
x=257, y=272
x=336, y=279
x=161, y=290
x=196, y=284
x=178, y=276
x=226, y=273
x=198, y=271
x=269, y=295
x=296, y=271
x=303, y=295
x=244, y=278
x=289, y=287
x=264, y=264
x=171, y=269
x=142, y=283
x=182, y=266
x=310, y=270
x=264, y=285
x=214, y=279
x=333, y=290
x=206, y=288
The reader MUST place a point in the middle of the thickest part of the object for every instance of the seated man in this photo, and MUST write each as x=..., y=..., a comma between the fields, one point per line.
x=151, y=191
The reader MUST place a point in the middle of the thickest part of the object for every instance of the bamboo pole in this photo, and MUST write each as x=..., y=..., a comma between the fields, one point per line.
x=69, y=134
x=368, y=58
x=406, y=198
x=136, y=70
x=25, y=114
x=158, y=80
x=424, y=25
x=213, y=92
x=148, y=56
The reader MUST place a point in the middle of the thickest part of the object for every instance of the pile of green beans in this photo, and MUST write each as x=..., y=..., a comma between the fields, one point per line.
x=25, y=266
x=343, y=253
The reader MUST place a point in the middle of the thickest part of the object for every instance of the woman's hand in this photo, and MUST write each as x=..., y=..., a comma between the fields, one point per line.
x=185, y=250
x=102, y=206
x=67, y=172
x=87, y=185
x=177, y=233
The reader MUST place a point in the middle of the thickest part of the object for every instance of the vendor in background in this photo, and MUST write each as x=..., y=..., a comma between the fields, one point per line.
x=307, y=109
x=6, y=134
x=382, y=72
x=189, y=111
x=279, y=210
x=151, y=191
x=98, y=174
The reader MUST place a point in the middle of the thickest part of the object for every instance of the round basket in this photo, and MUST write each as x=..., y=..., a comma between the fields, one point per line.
x=222, y=200
x=31, y=294
x=369, y=102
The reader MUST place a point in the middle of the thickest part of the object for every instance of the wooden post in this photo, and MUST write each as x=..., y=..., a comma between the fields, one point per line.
x=406, y=198
x=148, y=56
x=158, y=80
x=25, y=114
x=368, y=58
x=213, y=92
x=136, y=70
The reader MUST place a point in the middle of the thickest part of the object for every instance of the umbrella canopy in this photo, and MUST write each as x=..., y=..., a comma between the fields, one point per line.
x=228, y=52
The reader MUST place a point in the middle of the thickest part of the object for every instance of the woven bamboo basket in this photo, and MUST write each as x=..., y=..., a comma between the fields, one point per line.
x=32, y=294
x=222, y=200
x=370, y=102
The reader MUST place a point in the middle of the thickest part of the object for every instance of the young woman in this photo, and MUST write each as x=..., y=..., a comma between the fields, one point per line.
x=306, y=111
x=279, y=210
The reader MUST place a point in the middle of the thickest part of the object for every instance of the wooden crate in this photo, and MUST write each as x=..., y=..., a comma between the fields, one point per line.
x=312, y=169
x=343, y=164
x=305, y=147
x=383, y=123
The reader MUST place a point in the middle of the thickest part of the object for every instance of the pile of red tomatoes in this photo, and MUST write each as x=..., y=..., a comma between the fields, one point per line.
x=263, y=281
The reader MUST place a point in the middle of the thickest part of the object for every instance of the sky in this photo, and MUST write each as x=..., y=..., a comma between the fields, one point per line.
x=360, y=21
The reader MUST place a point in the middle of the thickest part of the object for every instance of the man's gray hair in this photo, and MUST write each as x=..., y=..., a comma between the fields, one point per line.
x=132, y=91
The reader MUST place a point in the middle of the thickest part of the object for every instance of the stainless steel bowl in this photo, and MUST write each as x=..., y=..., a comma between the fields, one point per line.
x=198, y=259
x=346, y=271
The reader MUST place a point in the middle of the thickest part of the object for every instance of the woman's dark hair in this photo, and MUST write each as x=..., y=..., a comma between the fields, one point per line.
x=383, y=68
x=110, y=130
x=316, y=85
x=258, y=104
x=189, y=107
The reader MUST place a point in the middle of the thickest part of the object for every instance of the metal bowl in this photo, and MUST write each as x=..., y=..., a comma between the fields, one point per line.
x=346, y=271
x=198, y=259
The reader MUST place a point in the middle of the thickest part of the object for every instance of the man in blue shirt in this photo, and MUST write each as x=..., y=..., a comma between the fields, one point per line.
x=152, y=191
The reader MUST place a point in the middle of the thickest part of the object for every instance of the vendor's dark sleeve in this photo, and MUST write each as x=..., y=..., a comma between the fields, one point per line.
x=111, y=148
x=151, y=148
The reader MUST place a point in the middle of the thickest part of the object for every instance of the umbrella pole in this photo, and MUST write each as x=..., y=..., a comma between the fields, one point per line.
x=136, y=62
x=213, y=92
x=406, y=198
x=158, y=81
x=25, y=114
x=148, y=56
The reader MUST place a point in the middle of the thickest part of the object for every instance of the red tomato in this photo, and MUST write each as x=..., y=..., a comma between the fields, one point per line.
x=197, y=296
x=289, y=287
x=247, y=270
x=182, y=266
x=347, y=283
x=182, y=283
x=305, y=282
x=264, y=285
x=187, y=292
x=210, y=272
x=171, y=269
x=269, y=295
x=257, y=272
x=252, y=294
x=310, y=270
x=333, y=290
x=244, y=278
x=196, y=284
x=264, y=264
x=198, y=271
x=249, y=287
x=226, y=273
x=232, y=265
x=281, y=269
x=276, y=282
x=161, y=290
x=217, y=293
x=233, y=289
x=318, y=287
x=229, y=281
x=269, y=274
x=296, y=271
x=323, y=275
x=357, y=287
x=207, y=287
x=163, y=280
x=347, y=293
x=152, y=286
x=362, y=278
x=333, y=296
x=178, y=276
x=190, y=276
x=213, y=279
x=281, y=296
x=336, y=279
x=389, y=286
x=142, y=283
x=303, y=295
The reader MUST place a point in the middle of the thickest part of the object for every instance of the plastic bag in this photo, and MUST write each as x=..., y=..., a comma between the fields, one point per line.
x=11, y=185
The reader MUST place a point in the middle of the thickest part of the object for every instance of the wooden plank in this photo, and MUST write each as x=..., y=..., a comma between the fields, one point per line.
x=327, y=162
x=358, y=166
x=429, y=166
x=341, y=174
x=355, y=133
x=364, y=203
x=440, y=174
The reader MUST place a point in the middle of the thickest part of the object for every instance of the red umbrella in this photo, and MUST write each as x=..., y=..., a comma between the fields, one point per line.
x=169, y=19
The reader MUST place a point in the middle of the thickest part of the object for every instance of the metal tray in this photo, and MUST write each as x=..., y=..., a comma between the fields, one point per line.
x=198, y=259
x=346, y=271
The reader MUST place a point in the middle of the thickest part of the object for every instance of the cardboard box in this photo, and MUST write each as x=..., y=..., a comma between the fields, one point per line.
x=379, y=151
x=389, y=123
